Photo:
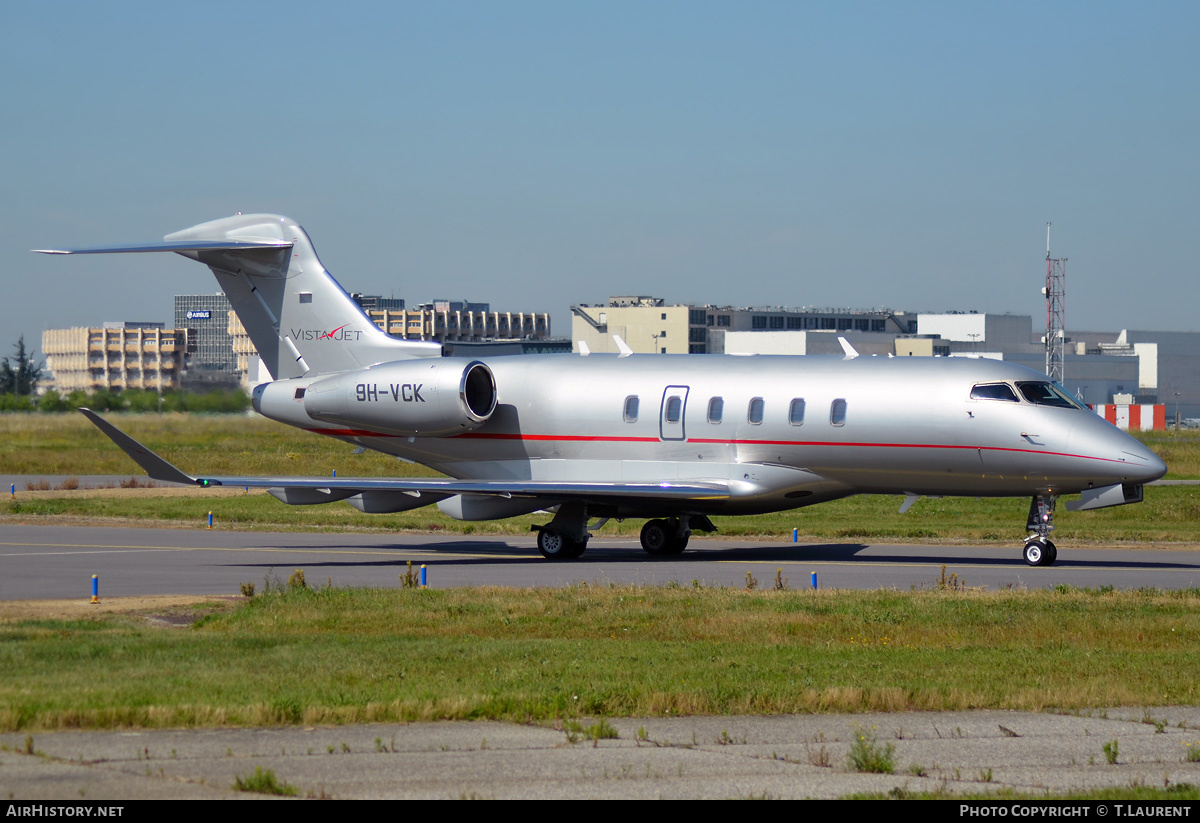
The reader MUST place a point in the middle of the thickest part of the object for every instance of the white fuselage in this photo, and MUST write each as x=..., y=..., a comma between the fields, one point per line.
x=869, y=425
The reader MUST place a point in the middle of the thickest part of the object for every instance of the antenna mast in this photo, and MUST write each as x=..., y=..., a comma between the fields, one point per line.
x=1056, y=312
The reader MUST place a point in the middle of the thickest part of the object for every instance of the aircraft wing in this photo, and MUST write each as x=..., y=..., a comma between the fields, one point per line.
x=159, y=469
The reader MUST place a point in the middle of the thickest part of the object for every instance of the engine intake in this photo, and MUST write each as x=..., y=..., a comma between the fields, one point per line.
x=427, y=398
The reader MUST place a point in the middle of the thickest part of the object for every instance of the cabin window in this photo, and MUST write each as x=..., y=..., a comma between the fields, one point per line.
x=993, y=391
x=716, y=408
x=755, y=413
x=631, y=408
x=796, y=412
x=674, y=405
x=837, y=412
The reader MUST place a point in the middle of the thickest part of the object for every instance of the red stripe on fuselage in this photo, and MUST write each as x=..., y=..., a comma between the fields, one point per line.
x=576, y=438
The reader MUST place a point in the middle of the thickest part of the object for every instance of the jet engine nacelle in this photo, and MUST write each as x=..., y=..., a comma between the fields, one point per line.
x=427, y=398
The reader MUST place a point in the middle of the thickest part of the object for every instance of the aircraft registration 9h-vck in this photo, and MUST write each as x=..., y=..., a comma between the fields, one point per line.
x=674, y=439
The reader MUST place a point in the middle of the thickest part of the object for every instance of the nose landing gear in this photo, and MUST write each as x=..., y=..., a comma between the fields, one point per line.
x=1039, y=549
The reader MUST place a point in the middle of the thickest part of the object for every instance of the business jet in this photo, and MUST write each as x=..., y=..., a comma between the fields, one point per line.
x=673, y=440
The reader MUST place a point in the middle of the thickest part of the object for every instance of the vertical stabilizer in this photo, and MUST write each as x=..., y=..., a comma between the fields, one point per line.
x=300, y=319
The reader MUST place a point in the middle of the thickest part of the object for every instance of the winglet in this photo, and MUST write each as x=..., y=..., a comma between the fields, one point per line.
x=622, y=345
x=847, y=348
x=154, y=465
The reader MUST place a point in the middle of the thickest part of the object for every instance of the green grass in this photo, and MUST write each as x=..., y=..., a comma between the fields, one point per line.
x=318, y=656
x=264, y=782
x=214, y=444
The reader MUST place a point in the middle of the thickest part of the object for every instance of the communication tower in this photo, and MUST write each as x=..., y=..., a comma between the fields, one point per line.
x=1056, y=312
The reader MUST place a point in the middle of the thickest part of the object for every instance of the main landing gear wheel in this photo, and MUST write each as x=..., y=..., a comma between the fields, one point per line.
x=1040, y=552
x=662, y=537
x=557, y=546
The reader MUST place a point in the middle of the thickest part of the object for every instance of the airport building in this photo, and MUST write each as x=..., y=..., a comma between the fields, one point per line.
x=115, y=356
x=453, y=321
x=649, y=325
x=213, y=362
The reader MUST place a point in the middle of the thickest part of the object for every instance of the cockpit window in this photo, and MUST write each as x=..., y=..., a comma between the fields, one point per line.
x=993, y=391
x=1048, y=394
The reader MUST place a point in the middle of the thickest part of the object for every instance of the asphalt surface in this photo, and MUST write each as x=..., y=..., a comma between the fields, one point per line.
x=729, y=757
x=43, y=562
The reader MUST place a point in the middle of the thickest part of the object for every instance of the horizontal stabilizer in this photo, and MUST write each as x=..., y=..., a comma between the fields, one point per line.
x=178, y=246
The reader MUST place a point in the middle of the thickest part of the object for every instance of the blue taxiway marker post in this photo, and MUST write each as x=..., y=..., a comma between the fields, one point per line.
x=210, y=520
x=12, y=490
x=335, y=472
x=814, y=581
x=424, y=579
x=95, y=589
x=795, y=535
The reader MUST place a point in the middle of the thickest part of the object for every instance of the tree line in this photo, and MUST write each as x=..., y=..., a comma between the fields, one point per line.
x=20, y=374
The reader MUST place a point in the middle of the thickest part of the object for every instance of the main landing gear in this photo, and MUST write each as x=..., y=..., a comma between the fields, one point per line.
x=566, y=536
x=1039, y=549
x=670, y=535
x=665, y=536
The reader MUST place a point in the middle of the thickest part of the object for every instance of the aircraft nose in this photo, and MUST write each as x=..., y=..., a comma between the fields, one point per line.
x=1152, y=466
x=1141, y=464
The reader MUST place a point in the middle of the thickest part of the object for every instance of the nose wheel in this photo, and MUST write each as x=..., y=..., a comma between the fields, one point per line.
x=1039, y=552
x=1039, y=548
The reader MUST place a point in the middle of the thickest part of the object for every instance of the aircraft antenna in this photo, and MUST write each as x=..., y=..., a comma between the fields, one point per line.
x=1056, y=312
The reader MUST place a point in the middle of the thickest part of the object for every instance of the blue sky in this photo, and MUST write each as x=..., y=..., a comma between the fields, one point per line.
x=538, y=154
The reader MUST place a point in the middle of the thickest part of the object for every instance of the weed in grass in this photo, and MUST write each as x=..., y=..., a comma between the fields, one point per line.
x=1192, y=752
x=28, y=744
x=751, y=582
x=410, y=579
x=643, y=736
x=951, y=583
x=985, y=775
x=69, y=484
x=264, y=782
x=296, y=581
x=379, y=747
x=868, y=755
x=781, y=582
x=1110, y=752
x=916, y=770
x=247, y=590
x=345, y=748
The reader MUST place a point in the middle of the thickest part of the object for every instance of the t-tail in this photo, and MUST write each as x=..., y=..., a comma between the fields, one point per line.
x=301, y=321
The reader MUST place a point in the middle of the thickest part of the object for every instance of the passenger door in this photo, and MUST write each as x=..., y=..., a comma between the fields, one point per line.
x=671, y=415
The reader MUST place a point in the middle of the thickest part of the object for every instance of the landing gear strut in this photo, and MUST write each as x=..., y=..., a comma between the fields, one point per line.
x=1039, y=549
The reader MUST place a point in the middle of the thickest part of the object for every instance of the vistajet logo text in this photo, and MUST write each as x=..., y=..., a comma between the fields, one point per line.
x=340, y=333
